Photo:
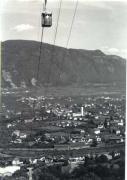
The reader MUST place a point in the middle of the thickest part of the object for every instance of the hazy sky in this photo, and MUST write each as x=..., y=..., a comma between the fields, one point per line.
x=98, y=24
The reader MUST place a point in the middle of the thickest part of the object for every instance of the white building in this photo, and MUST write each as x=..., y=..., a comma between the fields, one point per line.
x=79, y=114
x=96, y=131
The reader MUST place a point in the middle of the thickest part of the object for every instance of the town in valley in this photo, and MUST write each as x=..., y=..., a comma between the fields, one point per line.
x=63, y=137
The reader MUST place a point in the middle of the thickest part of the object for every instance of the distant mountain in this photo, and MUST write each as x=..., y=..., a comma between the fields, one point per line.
x=58, y=66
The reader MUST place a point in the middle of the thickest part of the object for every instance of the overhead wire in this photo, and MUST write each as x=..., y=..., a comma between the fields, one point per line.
x=69, y=36
x=57, y=24
x=38, y=39
x=54, y=42
x=41, y=42
x=40, y=48
x=73, y=18
x=40, y=53
x=53, y=46
x=39, y=60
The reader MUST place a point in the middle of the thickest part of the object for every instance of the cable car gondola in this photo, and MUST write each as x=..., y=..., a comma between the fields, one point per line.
x=46, y=19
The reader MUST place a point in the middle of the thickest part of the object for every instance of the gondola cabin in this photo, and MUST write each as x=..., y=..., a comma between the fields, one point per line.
x=46, y=19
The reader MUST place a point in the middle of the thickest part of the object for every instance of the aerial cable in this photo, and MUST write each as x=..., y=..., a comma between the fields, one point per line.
x=57, y=24
x=40, y=53
x=46, y=22
x=69, y=35
x=45, y=3
x=38, y=66
x=40, y=49
x=73, y=18
x=68, y=39
x=54, y=42
x=56, y=31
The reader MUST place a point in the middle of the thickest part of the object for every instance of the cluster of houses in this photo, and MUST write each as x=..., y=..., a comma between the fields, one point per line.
x=101, y=119
x=11, y=165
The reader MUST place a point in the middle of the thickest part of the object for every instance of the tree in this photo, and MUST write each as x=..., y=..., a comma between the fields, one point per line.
x=102, y=159
x=94, y=143
x=102, y=171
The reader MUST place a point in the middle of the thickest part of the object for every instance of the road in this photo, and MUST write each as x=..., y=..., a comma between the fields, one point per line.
x=32, y=152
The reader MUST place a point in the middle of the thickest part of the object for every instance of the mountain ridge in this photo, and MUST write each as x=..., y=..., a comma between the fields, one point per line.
x=58, y=66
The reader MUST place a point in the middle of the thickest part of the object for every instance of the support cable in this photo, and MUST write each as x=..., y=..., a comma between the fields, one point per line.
x=68, y=39
x=40, y=53
x=57, y=24
x=53, y=46
x=73, y=18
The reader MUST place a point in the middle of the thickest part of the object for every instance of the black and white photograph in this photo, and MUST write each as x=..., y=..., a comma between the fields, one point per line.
x=63, y=89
